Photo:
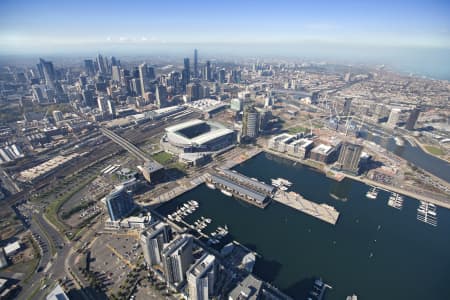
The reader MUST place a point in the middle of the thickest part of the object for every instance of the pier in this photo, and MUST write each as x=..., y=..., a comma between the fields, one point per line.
x=322, y=211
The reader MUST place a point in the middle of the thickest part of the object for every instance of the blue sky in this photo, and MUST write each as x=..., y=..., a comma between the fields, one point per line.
x=49, y=25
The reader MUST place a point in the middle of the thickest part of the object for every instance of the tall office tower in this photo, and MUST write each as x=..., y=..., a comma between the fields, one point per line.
x=119, y=203
x=195, y=63
x=394, y=117
x=88, y=97
x=47, y=72
x=222, y=76
x=114, y=61
x=412, y=119
x=38, y=95
x=136, y=87
x=151, y=73
x=194, y=91
x=115, y=74
x=101, y=64
x=161, y=96
x=144, y=78
x=349, y=157
x=58, y=116
x=347, y=106
x=83, y=81
x=152, y=243
x=89, y=67
x=102, y=103
x=201, y=277
x=207, y=73
x=111, y=108
x=186, y=74
x=177, y=257
x=236, y=76
x=250, y=122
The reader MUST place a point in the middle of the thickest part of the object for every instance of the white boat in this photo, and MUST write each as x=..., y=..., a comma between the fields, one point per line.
x=372, y=194
x=399, y=141
x=178, y=219
x=210, y=185
x=248, y=262
x=186, y=205
x=208, y=220
x=227, y=193
x=170, y=217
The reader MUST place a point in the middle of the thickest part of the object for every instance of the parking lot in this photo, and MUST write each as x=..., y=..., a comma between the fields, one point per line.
x=113, y=256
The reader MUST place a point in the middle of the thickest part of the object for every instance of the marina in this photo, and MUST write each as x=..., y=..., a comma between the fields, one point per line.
x=295, y=249
x=372, y=193
x=427, y=213
x=395, y=201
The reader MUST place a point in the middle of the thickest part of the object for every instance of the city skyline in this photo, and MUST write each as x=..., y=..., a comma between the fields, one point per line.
x=49, y=25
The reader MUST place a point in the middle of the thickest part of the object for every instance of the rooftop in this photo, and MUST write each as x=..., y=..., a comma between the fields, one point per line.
x=258, y=197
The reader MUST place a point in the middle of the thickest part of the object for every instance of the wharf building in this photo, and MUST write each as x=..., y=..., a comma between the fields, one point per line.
x=177, y=257
x=349, y=158
x=242, y=187
x=152, y=242
x=292, y=145
x=119, y=203
x=201, y=278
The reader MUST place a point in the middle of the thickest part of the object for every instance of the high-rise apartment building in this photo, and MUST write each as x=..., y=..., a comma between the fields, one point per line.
x=201, y=278
x=349, y=157
x=152, y=242
x=412, y=119
x=177, y=258
x=250, y=122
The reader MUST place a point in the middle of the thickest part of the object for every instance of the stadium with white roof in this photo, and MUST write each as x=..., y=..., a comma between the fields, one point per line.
x=197, y=136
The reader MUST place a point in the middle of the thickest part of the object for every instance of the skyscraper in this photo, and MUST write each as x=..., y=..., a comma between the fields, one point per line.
x=119, y=203
x=47, y=72
x=349, y=157
x=89, y=67
x=102, y=103
x=186, y=74
x=207, y=74
x=111, y=108
x=101, y=64
x=250, y=122
x=195, y=63
x=161, y=96
x=143, y=77
x=115, y=71
x=412, y=119
x=347, y=106
x=394, y=117
x=177, y=257
x=194, y=91
x=201, y=277
x=222, y=74
x=152, y=242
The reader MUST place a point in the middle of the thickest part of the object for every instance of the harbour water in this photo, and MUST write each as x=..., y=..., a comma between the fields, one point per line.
x=374, y=250
x=417, y=156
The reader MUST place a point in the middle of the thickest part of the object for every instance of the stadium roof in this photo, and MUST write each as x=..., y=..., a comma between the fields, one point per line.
x=184, y=125
x=206, y=137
